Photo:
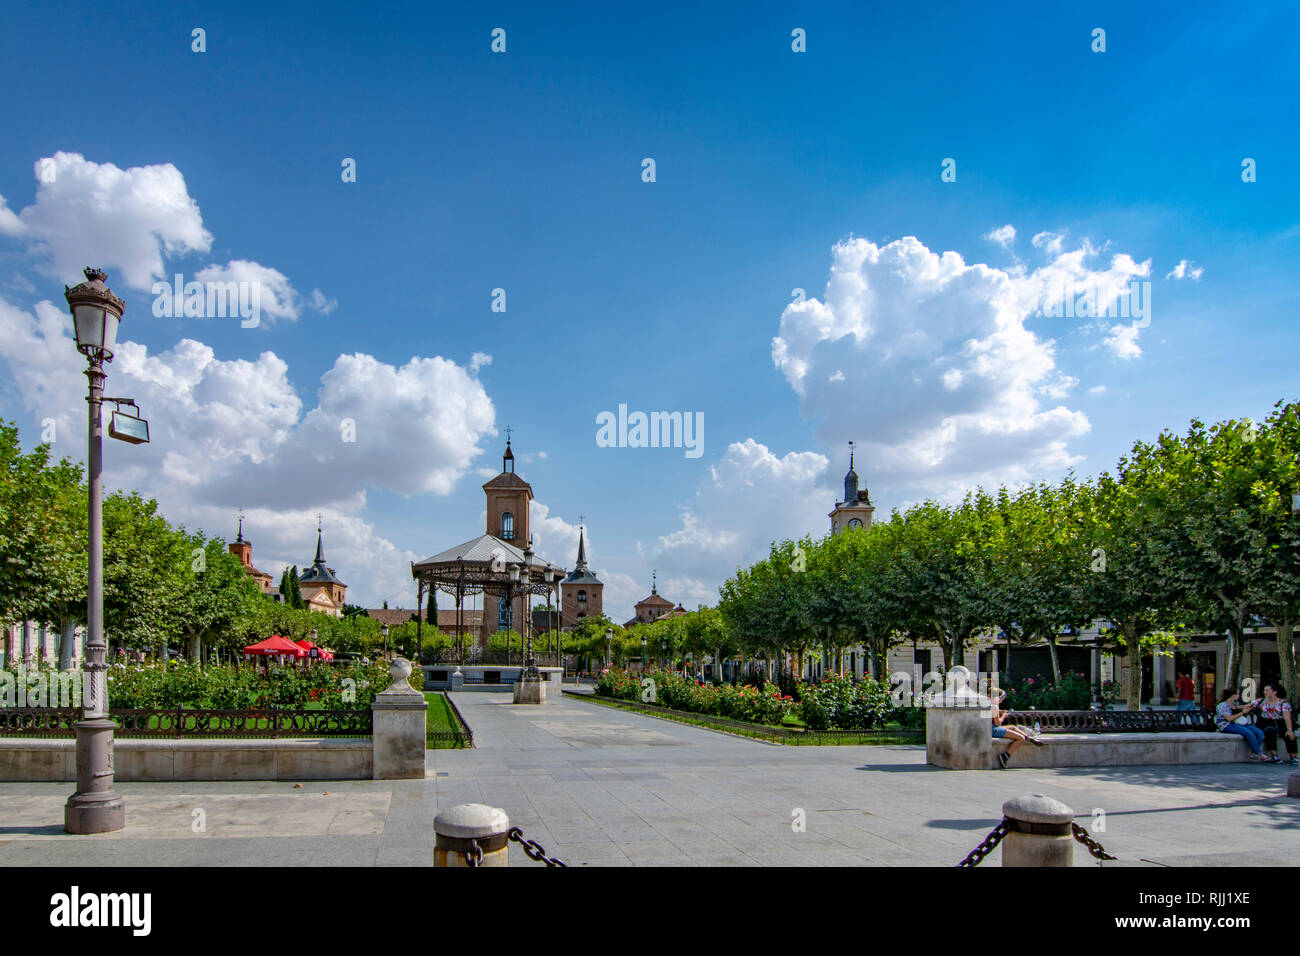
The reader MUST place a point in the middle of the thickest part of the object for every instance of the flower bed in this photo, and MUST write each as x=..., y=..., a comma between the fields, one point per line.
x=1071, y=692
x=838, y=703
x=845, y=703
x=185, y=684
x=766, y=706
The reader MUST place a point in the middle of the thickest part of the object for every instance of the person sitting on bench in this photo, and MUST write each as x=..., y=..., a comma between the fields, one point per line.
x=1016, y=735
x=1275, y=720
x=1229, y=716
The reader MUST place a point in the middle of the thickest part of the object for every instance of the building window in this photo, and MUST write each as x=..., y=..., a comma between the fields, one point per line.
x=582, y=597
x=581, y=615
x=507, y=526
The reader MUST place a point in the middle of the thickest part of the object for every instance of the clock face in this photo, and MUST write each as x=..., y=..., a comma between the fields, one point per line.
x=855, y=522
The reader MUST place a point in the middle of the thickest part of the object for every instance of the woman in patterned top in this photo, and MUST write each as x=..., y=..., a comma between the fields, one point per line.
x=1226, y=716
x=1275, y=719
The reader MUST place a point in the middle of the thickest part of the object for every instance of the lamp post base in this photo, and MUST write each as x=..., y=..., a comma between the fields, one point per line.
x=95, y=807
x=530, y=691
x=94, y=813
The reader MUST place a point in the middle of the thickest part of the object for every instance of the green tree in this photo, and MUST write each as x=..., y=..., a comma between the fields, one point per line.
x=216, y=598
x=42, y=535
x=1128, y=566
x=1275, y=585
x=146, y=572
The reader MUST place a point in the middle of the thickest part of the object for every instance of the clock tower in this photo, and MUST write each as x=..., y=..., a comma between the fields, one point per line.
x=855, y=510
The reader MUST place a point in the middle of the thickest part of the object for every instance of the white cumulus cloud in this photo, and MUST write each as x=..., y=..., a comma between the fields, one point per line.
x=1004, y=236
x=1185, y=270
x=125, y=220
x=943, y=382
x=232, y=433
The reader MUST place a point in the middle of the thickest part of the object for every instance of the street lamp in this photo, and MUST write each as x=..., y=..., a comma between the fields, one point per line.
x=609, y=637
x=95, y=807
x=384, y=631
x=643, y=652
x=512, y=573
x=664, y=646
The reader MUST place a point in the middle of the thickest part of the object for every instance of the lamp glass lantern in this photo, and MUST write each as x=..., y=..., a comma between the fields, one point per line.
x=1295, y=503
x=96, y=314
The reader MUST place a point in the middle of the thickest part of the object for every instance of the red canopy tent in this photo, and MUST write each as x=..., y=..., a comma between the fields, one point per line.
x=275, y=646
x=307, y=646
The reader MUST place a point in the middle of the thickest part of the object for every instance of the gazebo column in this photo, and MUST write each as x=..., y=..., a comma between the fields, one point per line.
x=419, y=619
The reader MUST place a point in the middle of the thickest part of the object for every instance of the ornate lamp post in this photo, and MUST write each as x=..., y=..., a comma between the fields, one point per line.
x=609, y=638
x=384, y=631
x=643, y=660
x=529, y=688
x=95, y=807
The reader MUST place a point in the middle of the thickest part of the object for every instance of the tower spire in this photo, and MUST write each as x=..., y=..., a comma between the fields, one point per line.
x=851, y=481
x=320, y=545
x=582, y=550
x=654, y=581
x=239, y=536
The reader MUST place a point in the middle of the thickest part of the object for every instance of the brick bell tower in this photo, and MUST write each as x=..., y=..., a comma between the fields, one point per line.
x=508, y=498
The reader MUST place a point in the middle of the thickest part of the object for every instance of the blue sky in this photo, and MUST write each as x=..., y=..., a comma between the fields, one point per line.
x=522, y=171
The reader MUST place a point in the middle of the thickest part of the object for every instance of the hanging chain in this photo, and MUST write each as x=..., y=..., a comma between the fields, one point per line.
x=985, y=848
x=1002, y=829
x=535, y=850
x=474, y=855
x=1095, y=848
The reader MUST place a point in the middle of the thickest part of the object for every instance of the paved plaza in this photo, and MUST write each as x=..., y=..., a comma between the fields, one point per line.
x=598, y=786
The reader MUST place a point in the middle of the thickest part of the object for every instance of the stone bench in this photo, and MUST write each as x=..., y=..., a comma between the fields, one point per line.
x=1124, y=749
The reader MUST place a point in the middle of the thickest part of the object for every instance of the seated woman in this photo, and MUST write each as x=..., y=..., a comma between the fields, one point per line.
x=1016, y=735
x=1276, y=721
x=1226, y=715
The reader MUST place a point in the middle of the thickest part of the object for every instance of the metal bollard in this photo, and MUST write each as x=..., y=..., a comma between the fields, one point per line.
x=471, y=832
x=1039, y=832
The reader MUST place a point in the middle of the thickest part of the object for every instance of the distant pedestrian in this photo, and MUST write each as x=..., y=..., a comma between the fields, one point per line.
x=1186, y=693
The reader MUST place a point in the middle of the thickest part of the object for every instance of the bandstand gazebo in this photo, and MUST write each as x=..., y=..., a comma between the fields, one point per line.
x=487, y=565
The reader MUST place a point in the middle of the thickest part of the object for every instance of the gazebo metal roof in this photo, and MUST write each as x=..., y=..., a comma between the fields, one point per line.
x=482, y=564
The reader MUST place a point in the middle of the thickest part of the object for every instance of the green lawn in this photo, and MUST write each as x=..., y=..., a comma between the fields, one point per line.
x=441, y=719
x=889, y=734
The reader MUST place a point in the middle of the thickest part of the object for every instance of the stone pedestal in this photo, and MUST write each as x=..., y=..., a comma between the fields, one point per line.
x=530, y=691
x=456, y=679
x=96, y=807
x=1040, y=832
x=959, y=725
x=399, y=715
x=471, y=828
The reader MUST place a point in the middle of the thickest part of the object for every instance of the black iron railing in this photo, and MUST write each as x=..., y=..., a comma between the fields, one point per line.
x=181, y=722
x=466, y=732
x=38, y=721
x=1112, y=721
